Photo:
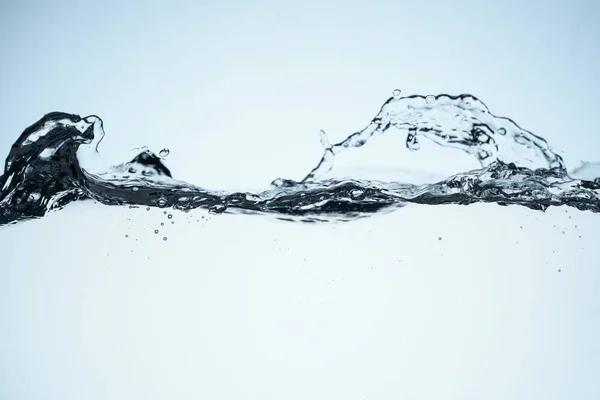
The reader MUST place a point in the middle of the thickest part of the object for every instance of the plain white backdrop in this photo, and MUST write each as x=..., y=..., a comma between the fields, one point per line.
x=249, y=307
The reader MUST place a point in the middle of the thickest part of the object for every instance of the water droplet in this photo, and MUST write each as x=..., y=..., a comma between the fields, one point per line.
x=164, y=152
x=170, y=216
x=156, y=231
x=396, y=93
x=429, y=99
x=324, y=140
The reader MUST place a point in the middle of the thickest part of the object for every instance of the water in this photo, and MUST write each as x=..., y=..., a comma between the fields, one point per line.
x=52, y=164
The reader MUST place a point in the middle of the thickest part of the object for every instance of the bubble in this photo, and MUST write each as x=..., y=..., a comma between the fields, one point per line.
x=147, y=208
x=429, y=99
x=165, y=238
x=162, y=224
x=483, y=154
x=439, y=238
x=156, y=231
x=164, y=152
x=170, y=216
x=502, y=131
x=559, y=270
x=162, y=202
x=126, y=236
x=217, y=209
x=135, y=188
x=396, y=93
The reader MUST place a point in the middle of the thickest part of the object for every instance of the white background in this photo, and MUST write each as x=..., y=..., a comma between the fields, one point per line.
x=253, y=308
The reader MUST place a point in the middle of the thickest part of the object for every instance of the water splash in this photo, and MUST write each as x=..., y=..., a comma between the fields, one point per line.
x=47, y=168
x=462, y=122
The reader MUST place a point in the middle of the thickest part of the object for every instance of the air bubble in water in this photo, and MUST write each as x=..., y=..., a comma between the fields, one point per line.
x=165, y=238
x=147, y=208
x=396, y=93
x=439, y=238
x=429, y=99
x=135, y=188
x=162, y=202
x=164, y=152
x=170, y=216
x=156, y=231
x=502, y=131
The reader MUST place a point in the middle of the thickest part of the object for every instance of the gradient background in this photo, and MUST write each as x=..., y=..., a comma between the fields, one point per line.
x=234, y=307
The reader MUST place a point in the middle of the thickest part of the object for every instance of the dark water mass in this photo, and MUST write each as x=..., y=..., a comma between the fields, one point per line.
x=45, y=170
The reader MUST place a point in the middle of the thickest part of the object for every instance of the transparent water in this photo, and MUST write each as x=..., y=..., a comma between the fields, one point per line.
x=43, y=171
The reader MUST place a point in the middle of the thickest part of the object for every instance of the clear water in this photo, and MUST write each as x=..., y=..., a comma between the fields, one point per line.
x=53, y=163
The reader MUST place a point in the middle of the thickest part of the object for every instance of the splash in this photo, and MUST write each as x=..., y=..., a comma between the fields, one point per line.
x=49, y=167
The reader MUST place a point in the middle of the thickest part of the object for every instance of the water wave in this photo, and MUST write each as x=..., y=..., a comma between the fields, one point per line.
x=47, y=168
